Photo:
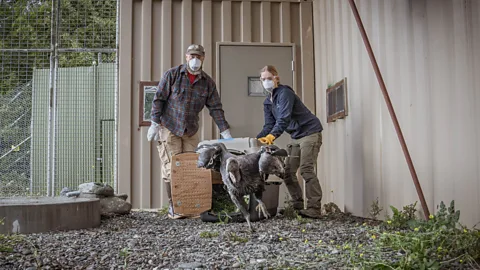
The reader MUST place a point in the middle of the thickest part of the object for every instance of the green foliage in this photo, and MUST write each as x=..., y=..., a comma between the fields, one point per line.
x=404, y=242
x=289, y=211
x=8, y=242
x=207, y=234
x=235, y=238
x=402, y=219
x=375, y=209
x=27, y=25
x=222, y=204
x=163, y=210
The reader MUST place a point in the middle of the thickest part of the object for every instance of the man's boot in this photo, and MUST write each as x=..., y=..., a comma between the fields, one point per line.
x=171, y=212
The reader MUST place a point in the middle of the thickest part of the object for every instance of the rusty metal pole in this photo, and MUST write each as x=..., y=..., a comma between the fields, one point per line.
x=390, y=108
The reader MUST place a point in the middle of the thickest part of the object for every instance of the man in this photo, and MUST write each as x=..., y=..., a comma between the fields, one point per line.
x=182, y=93
x=284, y=111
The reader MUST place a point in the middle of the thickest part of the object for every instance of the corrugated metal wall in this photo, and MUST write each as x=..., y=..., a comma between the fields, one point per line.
x=154, y=36
x=429, y=54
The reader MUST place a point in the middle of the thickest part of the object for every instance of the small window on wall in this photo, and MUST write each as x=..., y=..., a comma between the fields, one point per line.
x=337, y=101
x=255, y=87
x=147, y=90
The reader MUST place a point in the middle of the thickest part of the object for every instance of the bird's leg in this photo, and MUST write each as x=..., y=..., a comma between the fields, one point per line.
x=261, y=208
x=243, y=208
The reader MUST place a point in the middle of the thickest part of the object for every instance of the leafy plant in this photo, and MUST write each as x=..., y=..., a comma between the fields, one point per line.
x=234, y=237
x=207, y=234
x=402, y=219
x=375, y=209
x=7, y=242
x=125, y=253
x=163, y=210
x=410, y=243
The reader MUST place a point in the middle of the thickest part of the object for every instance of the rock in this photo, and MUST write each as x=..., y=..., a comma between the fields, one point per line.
x=96, y=188
x=89, y=195
x=64, y=191
x=192, y=265
x=114, y=205
x=122, y=196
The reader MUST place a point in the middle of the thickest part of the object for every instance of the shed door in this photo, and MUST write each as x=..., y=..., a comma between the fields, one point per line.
x=241, y=89
x=239, y=66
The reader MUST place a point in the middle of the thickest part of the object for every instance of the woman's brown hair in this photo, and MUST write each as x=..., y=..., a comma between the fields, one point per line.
x=270, y=69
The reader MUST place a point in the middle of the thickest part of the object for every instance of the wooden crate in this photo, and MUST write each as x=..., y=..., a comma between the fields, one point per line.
x=191, y=186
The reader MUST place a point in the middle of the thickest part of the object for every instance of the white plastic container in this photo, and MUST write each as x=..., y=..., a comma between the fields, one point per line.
x=245, y=144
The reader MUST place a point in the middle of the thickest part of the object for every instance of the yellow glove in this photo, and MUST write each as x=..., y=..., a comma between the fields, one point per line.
x=267, y=139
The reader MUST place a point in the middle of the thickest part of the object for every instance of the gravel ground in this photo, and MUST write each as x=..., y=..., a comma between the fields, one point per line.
x=148, y=240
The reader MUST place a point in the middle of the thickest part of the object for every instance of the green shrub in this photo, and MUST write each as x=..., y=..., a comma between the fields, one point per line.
x=405, y=242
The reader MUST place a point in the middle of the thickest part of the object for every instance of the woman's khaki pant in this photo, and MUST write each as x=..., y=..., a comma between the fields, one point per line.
x=304, y=152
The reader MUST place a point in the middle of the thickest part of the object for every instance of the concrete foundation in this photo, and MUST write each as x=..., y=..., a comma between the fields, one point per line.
x=42, y=214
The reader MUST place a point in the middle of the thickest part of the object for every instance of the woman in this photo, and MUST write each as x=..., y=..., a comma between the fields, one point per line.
x=284, y=111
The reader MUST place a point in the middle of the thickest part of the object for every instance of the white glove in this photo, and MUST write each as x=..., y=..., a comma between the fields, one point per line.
x=226, y=134
x=153, y=132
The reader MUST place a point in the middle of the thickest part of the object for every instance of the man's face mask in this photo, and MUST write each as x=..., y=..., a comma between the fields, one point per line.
x=195, y=64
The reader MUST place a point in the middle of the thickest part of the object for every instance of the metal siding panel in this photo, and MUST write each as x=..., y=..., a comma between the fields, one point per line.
x=463, y=122
x=256, y=22
x=476, y=70
x=439, y=55
x=295, y=38
x=285, y=29
x=306, y=30
x=353, y=161
x=226, y=21
x=136, y=135
x=124, y=100
x=178, y=52
x=186, y=28
x=159, y=194
x=207, y=122
x=197, y=21
x=328, y=134
x=145, y=67
x=421, y=102
x=246, y=18
x=388, y=60
x=340, y=132
x=166, y=41
x=236, y=21
x=275, y=18
x=265, y=22
x=424, y=50
x=375, y=132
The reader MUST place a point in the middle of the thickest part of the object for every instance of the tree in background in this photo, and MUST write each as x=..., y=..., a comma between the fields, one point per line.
x=25, y=38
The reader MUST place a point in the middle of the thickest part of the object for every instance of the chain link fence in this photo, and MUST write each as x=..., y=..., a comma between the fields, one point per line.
x=58, y=75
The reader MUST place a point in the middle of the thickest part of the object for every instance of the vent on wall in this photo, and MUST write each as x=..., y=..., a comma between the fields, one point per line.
x=337, y=101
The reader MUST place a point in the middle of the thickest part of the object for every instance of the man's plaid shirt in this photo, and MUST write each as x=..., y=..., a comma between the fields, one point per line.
x=177, y=104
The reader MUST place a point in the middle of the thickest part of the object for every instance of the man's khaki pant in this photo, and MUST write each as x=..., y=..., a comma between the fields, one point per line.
x=170, y=145
x=304, y=152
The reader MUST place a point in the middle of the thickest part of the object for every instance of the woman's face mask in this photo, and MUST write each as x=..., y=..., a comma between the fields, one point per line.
x=268, y=82
x=268, y=85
